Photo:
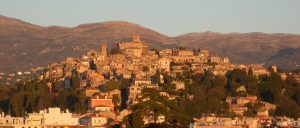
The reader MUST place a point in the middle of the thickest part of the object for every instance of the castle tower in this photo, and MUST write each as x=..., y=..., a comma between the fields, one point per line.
x=136, y=38
x=103, y=50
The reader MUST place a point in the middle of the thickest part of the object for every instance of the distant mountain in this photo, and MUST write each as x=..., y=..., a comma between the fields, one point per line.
x=286, y=58
x=241, y=48
x=24, y=45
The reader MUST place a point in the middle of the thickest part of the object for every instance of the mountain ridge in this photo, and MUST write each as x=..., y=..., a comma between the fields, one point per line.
x=24, y=45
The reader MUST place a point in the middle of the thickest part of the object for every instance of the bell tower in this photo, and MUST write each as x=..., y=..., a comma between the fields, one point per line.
x=103, y=50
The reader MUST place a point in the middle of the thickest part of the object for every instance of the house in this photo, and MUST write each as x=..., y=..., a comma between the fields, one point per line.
x=99, y=101
x=95, y=78
x=237, y=104
x=142, y=81
x=263, y=113
x=165, y=52
x=89, y=92
x=7, y=120
x=136, y=52
x=102, y=108
x=241, y=89
x=94, y=120
x=179, y=85
x=160, y=119
x=215, y=59
x=34, y=119
x=51, y=117
x=164, y=64
x=54, y=116
x=98, y=121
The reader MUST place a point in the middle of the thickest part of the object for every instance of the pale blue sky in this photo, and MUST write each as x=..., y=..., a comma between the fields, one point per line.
x=170, y=17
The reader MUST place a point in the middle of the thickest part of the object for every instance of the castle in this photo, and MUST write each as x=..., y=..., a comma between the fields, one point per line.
x=136, y=47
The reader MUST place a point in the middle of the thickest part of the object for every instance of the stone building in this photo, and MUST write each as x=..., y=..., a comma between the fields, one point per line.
x=103, y=50
x=137, y=52
x=164, y=64
x=135, y=43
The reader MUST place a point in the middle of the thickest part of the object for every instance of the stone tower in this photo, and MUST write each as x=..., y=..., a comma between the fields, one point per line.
x=136, y=38
x=103, y=50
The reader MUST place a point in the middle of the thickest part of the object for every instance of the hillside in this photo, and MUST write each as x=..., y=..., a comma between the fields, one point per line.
x=287, y=58
x=25, y=45
x=242, y=48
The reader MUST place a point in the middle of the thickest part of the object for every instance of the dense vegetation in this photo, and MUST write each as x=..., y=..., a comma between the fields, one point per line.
x=34, y=95
x=209, y=93
x=203, y=94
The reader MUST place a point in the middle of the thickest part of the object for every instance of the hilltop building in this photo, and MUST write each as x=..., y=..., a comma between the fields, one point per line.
x=135, y=47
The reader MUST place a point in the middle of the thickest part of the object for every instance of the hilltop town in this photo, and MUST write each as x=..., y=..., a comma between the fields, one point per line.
x=132, y=85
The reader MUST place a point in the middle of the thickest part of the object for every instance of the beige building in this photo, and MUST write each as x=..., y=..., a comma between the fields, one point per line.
x=215, y=59
x=142, y=81
x=183, y=53
x=166, y=52
x=51, y=117
x=164, y=64
x=179, y=85
x=137, y=52
x=135, y=43
x=98, y=121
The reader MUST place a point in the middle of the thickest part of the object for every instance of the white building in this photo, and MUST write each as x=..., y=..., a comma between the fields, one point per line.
x=98, y=121
x=54, y=116
x=51, y=117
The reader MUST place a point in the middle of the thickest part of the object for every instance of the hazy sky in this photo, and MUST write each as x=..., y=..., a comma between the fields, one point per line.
x=170, y=17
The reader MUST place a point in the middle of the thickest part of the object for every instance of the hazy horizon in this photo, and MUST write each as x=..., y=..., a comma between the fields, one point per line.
x=171, y=18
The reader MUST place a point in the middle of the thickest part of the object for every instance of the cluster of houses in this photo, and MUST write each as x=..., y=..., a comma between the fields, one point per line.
x=238, y=106
x=212, y=121
x=11, y=78
x=96, y=68
x=133, y=61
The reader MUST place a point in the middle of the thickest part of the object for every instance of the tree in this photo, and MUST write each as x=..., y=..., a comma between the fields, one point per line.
x=138, y=119
x=116, y=99
x=155, y=50
x=249, y=113
x=75, y=80
x=134, y=120
x=220, y=81
x=181, y=48
x=145, y=69
x=112, y=85
x=284, y=108
x=17, y=105
x=125, y=84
